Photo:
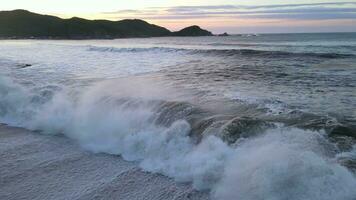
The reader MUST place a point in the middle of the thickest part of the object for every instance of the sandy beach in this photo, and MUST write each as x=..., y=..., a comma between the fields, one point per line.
x=35, y=166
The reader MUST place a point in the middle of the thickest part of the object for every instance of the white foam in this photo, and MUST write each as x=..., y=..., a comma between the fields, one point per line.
x=281, y=164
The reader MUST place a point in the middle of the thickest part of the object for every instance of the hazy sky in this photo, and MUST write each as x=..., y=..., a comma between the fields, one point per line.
x=233, y=16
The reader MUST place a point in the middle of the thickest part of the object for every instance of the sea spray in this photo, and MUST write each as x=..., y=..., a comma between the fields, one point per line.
x=282, y=163
x=279, y=165
x=15, y=102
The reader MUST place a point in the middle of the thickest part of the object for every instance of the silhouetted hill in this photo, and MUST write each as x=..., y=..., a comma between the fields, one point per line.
x=192, y=31
x=25, y=24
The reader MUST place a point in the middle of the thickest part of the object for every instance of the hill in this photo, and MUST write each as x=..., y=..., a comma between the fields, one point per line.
x=192, y=31
x=25, y=24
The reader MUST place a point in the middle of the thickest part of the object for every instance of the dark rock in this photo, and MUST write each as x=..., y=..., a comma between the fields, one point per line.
x=223, y=34
x=192, y=31
x=24, y=65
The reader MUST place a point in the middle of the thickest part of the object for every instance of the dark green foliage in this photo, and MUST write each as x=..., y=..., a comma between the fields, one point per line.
x=192, y=31
x=24, y=24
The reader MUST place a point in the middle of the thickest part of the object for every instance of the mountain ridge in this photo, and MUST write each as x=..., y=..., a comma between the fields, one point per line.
x=23, y=24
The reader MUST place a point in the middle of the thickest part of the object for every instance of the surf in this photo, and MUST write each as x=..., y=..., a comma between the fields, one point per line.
x=135, y=120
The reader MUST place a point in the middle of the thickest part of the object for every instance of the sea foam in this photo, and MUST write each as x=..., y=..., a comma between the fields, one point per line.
x=282, y=163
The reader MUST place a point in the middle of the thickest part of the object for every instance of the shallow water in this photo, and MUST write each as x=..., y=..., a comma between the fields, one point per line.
x=37, y=167
x=271, y=116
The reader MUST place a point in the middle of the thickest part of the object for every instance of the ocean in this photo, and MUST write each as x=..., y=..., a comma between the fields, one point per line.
x=269, y=116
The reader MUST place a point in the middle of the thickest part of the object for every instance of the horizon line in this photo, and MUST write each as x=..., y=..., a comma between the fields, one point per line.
x=148, y=21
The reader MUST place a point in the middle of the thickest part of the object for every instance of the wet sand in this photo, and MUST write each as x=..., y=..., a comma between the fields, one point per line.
x=35, y=166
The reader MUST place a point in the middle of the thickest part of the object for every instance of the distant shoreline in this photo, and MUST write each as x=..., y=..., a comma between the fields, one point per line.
x=29, y=38
x=213, y=35
x=23, y=24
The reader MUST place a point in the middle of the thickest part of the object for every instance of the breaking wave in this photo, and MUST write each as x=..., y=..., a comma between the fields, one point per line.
x=132, y=50
x=232, y=157
x=224, y=52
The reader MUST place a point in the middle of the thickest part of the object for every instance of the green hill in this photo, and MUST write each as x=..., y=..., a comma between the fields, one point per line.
x=192, y=31
x=25, y=24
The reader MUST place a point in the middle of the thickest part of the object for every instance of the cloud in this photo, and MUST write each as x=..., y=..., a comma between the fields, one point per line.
x=123, y=12
x=312, y=11
x=305, y=16
x=300, y=5
x=195, y=8
x=234, y=7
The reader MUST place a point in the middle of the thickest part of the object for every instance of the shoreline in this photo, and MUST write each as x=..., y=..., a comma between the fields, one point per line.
x=118, y=38
x=36, y=166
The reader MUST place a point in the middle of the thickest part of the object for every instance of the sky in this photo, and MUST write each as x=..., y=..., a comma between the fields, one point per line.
x=232, y=16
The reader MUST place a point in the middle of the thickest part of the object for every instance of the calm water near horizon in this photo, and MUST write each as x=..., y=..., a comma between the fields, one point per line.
x=274, y=114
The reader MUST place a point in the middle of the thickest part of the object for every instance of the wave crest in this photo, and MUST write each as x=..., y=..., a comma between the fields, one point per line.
x=223, y=52
x=277, y=164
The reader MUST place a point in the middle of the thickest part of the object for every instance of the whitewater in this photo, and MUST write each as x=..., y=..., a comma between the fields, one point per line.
x=266, y=117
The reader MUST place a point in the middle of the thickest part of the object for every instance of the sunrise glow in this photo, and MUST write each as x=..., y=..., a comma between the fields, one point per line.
x=225, y=15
